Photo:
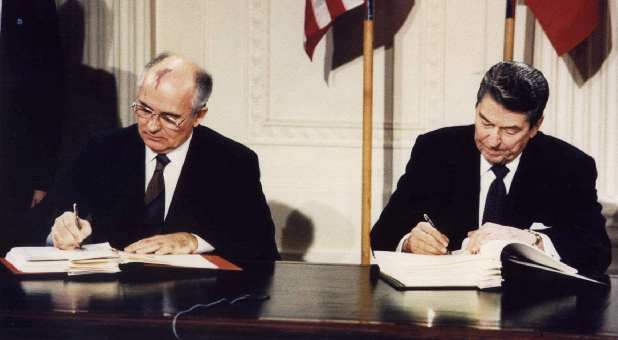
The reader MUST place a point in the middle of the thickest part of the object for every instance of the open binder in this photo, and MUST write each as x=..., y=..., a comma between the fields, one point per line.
x=100, y=259
x=496, y=262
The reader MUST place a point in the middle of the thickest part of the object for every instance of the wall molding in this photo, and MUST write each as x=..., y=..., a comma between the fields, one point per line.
x=265, y=127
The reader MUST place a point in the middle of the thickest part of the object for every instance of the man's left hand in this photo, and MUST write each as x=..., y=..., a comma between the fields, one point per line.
x=37, y=197
x=492, y=231
x=176, y=243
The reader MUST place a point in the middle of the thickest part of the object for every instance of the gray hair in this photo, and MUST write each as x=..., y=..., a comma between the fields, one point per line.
x=203, y=89
x=203, y=82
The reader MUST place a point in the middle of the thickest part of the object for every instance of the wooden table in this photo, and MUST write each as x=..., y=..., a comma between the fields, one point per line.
x=307, y=301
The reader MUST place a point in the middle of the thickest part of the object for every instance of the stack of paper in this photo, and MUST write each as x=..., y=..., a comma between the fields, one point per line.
x=416, y=271
x=482, y=270
x=94, y=258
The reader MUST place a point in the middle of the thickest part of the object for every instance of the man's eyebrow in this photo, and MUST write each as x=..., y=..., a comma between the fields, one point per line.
x=139, y=101
x=483, y=117
x=511, y=127
x=171, y=114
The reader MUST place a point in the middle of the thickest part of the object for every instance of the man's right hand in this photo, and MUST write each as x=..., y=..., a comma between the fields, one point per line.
x=65, y=232
x=425, y=239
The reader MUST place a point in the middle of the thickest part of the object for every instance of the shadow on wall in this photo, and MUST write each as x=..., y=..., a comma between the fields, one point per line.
x=585, y=60
x=91, y=102
x=294, y=230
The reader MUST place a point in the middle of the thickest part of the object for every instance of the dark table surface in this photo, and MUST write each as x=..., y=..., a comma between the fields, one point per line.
x=306, y=301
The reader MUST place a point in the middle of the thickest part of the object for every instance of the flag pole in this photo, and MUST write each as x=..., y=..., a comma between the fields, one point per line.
x=367, y=131
x=509, y=31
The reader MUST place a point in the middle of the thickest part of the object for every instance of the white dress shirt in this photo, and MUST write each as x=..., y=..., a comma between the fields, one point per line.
x=171, y=173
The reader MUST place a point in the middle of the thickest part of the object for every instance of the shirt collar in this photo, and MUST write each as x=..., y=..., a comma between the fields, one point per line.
x=175, y=156
x=512, y=165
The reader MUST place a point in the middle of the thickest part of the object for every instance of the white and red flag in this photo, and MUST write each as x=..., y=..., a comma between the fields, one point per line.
x=319, y=16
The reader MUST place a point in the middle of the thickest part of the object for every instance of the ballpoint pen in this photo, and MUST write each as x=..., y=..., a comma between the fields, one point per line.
x=425, y=216
x=79, y=226
x=76, y=213
x=428, y=220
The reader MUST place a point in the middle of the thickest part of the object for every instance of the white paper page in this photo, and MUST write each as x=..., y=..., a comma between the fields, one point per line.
x=524, y=250
x=91, y=251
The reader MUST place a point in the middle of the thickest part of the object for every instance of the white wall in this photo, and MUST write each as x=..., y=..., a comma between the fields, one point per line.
x=306, y=129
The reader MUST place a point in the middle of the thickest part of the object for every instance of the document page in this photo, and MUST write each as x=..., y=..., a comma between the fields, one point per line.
x=89, y=251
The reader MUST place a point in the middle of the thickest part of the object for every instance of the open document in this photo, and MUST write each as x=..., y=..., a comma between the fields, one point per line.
x=93, y=258
x=483, y=270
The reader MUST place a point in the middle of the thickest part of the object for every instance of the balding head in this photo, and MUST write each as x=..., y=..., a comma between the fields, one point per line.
x=171, y=101
x=173, y=70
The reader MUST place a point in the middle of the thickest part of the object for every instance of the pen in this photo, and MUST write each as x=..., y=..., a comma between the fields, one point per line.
x=425, y=216
x=428, y=220
x=76, y=213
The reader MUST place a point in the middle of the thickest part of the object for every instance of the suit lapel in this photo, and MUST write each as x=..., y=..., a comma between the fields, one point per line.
x=526, y=178
x=461, y=214
x=123, y=191
x=469, y=175
x=468, y=178
x=131, y=189
x=190, y=174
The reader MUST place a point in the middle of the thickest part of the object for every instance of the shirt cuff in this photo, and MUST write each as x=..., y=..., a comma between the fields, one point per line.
x=401, y=242
x=202, y=246
x=548, y=245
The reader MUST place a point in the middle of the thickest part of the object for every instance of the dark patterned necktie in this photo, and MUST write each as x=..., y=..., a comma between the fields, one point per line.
x=495, y=204
x=154, y=199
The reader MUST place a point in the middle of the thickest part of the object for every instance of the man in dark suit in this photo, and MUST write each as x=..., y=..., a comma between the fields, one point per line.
x=167, y=185
x=31, y=67
x=499, y=179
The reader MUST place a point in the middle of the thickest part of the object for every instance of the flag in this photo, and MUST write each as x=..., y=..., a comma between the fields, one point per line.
x=566, y=22
x=319, y=15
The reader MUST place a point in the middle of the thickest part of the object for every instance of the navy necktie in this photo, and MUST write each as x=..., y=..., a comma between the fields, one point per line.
x=495, y=204
x=154, y=199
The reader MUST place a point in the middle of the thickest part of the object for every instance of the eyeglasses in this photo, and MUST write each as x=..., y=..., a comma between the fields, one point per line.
x=168, y=120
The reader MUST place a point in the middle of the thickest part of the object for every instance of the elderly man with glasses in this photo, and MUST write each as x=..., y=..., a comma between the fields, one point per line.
x=166, y=185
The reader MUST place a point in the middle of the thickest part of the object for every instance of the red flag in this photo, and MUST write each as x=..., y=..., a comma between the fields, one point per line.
x=319, y=15
x=566, y=22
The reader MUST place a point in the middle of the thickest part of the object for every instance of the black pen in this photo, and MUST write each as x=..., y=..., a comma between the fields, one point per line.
x=428, y=220
x=79, y=226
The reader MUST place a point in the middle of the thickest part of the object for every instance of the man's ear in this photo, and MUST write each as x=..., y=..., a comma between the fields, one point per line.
x=200, y=115
x=535, y=128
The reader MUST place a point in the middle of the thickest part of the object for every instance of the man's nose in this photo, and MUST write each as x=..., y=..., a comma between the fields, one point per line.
x=494, y=138
x=153, y=124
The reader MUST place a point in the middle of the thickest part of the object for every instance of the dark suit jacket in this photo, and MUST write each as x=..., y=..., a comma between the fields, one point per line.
x=554, y=185
x=31, y=67
x=218, y=196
